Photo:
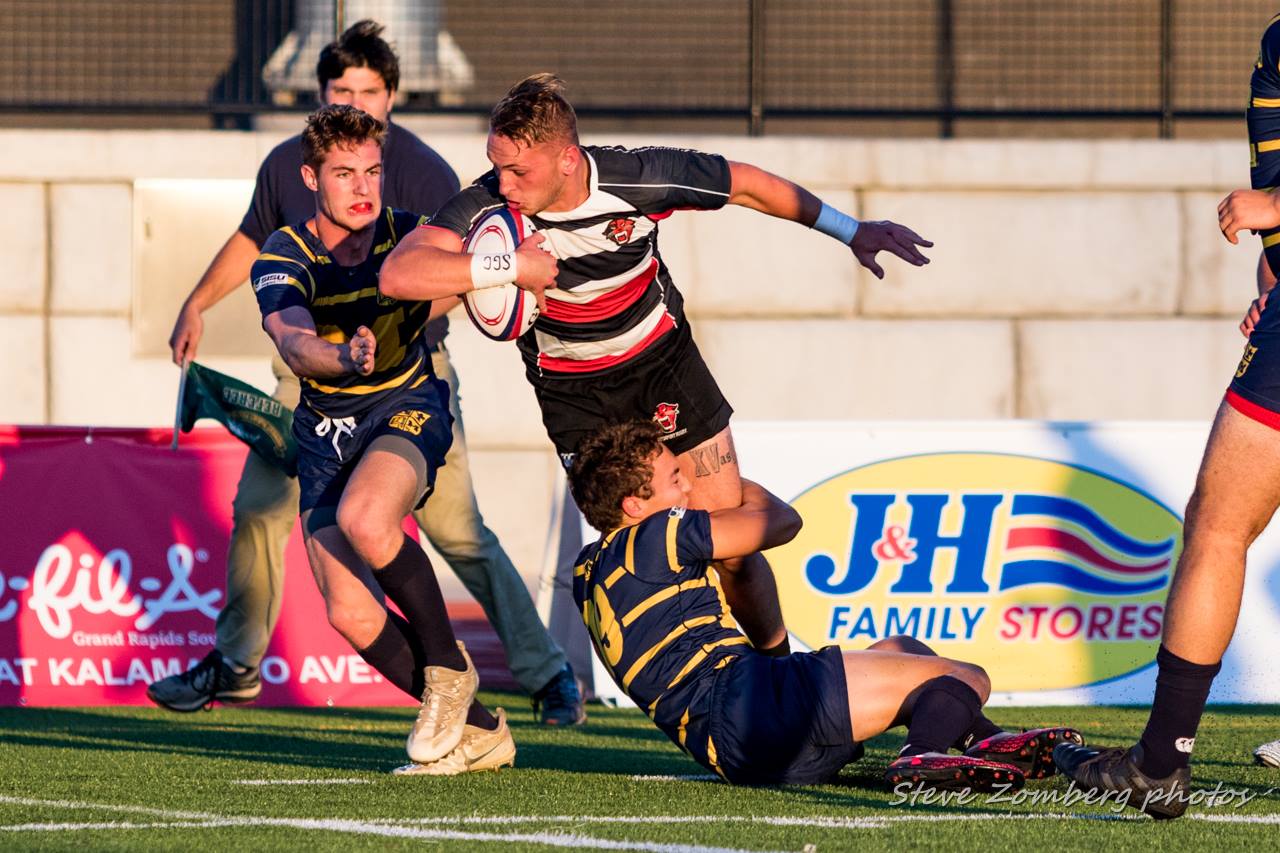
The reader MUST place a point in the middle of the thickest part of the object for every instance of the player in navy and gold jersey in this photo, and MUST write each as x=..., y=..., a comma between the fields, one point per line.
x=659, y=621
x=1236, y=496
x=372, y=429
x=1263, y=118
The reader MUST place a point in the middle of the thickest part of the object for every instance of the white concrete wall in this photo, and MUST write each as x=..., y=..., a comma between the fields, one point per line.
x=1071, y=280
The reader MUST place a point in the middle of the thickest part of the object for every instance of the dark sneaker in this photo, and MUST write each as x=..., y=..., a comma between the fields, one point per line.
x=1116, y=770
x=211, y=680
x=954, y=772
x=1031, y=752
x=559, y=702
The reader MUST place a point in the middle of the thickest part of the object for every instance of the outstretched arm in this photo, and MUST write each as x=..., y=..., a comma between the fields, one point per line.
x=763, y=521
x=759, y=190
x=226, y=271
x=309, y=355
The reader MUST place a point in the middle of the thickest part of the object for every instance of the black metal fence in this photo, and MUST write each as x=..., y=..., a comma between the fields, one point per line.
x=1151, y=63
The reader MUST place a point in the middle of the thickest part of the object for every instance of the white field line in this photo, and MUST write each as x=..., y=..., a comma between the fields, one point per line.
x=409, y=828
x=708, y=777
x=111, y=824
x=817, y=822
x=551, y=839
x=353, y=781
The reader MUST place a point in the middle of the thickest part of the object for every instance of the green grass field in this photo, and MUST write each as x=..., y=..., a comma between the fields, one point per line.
x=145, y=779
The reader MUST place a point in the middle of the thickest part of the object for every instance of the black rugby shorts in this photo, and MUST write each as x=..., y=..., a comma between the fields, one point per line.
x=669, y=384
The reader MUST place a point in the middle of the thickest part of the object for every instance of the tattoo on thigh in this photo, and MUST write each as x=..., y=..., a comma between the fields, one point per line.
x=708, y=460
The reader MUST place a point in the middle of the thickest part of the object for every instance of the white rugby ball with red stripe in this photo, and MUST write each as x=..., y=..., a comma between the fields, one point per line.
x=504, y=312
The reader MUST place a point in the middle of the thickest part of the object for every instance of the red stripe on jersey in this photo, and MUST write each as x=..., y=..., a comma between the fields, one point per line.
x=604, y=306
x=569, y=365
x=1250, y=409
x=664, y=214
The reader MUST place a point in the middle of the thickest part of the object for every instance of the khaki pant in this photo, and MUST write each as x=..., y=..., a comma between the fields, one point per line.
x=266, y=507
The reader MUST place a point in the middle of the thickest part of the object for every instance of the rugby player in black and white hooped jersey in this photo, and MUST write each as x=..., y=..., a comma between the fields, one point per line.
x=612, y=341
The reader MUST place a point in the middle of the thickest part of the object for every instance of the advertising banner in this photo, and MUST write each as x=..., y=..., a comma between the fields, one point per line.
x=112, y=571
x=1041, y=551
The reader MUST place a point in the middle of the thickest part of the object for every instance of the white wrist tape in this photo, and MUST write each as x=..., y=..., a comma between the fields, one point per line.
x=493, y=270
x=833, y=223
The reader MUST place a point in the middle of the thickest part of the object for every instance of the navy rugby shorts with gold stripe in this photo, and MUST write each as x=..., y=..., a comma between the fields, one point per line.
x=328, y=453
x=782, y=721
x=669, y=384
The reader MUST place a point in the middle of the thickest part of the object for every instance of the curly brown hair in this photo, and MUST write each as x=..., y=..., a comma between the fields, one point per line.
x=613, y=462
x=534, y=111
x=338, y=126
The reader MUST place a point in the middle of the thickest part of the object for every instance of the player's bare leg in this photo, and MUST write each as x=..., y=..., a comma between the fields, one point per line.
x=380, y=493
x=749, y=587
x=353, y=602
x=1237, y=492
x=383, y=488
x=1031, y=750
x=938, y=699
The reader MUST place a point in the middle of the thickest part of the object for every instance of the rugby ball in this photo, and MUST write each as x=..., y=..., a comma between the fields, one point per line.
x=504, y=312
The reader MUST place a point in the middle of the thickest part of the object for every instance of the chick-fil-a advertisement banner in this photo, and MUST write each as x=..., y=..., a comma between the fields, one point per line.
x=112, y=571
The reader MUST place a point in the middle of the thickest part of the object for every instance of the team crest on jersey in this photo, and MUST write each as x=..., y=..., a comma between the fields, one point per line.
x=410, y=421
x=665, y=416
x=1249, y=352
x=619, y=230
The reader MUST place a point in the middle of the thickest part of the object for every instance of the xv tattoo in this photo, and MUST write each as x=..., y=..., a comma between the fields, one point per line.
x=707, y=460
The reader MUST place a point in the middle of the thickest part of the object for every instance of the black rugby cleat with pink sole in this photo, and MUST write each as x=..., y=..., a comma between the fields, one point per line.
x=1030, y=751
x=954, y=772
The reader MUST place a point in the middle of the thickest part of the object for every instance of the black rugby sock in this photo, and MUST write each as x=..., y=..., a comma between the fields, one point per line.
x=395, y=654
x=410, y=582
x=778, y=650
x=980, y=728
x=944, y=710
x=1182, y=688
x=479, y=716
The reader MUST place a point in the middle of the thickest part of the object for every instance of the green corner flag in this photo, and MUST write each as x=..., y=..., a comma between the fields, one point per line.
x=260, y=421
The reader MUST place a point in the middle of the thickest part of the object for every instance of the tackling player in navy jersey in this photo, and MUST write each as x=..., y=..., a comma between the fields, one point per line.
x=612, y=341
x=372, y=429
x=659, y=621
